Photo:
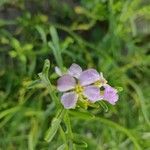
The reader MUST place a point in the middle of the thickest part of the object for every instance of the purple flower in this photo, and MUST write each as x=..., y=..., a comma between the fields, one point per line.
x=77, y=83
x=75, y=70
x=80, y=85
x=110, y=94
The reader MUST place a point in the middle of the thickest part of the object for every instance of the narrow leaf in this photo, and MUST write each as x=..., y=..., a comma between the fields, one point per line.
x=52, y=130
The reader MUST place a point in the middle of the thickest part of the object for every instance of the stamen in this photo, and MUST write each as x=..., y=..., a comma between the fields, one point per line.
x=100, y=82
x=78, y=89
x=97, y=83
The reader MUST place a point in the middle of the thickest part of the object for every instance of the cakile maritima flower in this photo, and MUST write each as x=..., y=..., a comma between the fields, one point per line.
x=78, y=85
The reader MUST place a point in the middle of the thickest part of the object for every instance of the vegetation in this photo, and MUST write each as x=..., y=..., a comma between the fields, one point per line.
x=109, y=35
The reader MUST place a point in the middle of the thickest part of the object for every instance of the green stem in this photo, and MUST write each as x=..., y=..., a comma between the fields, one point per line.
x=69, y=132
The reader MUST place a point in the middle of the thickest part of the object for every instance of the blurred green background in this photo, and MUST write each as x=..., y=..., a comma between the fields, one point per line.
x=112, y=36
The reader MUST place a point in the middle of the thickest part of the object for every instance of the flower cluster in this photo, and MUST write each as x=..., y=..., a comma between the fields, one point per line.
x=87, y=86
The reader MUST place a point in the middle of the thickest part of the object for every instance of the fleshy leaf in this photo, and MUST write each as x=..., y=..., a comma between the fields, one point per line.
x=53, y=129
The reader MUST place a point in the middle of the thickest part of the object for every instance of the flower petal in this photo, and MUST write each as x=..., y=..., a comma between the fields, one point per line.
x=58, y=71
x=65, y=83
x=69, y=100
x=110, y=94
x=75, y=70
x=92, y=93
x=88, y=77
